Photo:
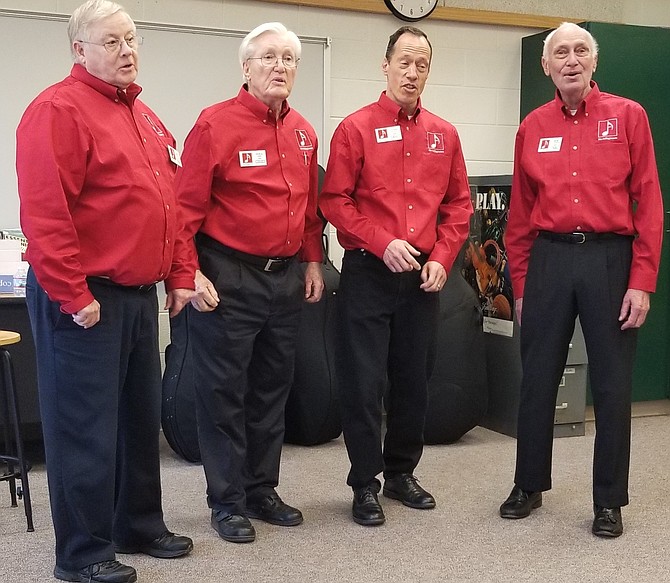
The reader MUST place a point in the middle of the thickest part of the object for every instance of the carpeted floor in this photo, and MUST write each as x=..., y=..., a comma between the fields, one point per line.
x=462, y=540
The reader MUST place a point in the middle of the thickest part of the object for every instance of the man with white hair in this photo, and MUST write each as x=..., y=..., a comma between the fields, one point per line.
x=95, y=174
x=583, y=239
x=248, y=193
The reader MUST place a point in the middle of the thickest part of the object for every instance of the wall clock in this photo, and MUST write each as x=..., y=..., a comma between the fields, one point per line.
x=411, y=10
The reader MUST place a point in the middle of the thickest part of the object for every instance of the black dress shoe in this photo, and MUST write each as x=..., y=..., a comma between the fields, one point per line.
x=234, y=528
x=520, y=503
x=366, y=508
x=103, y=572
x=607, y=522
x=272, y=509
x=166, y=546
x=405, y=487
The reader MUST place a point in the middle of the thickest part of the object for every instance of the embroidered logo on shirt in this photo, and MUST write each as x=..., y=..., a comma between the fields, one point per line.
x=304, y=141
x=608, y=129
x=435, y=142
x=550, y=144
x=389, y=134
x=253, y=158
x=153, y=124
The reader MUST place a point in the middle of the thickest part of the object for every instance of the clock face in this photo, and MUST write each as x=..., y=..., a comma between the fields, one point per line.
x=411, y=10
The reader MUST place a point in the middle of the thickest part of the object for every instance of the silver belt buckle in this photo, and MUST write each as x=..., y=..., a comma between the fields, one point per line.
x=270, y=263
x=583, y=236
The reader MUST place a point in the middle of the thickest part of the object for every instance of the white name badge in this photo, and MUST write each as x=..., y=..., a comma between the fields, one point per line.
x=389, y=134
x=175, y=156
x=253, y=158
x=549, y=144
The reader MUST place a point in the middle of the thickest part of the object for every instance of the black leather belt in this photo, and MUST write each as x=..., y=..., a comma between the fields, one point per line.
x=145, y=287
x=579, y=238
x=270, y=264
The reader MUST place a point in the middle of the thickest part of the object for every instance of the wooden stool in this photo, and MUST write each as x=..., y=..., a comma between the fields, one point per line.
x=16, y=464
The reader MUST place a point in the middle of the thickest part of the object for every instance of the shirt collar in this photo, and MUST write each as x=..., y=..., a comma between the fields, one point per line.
x=258, y=108
x=112, y=92
x=387, y=104
x=587, y=103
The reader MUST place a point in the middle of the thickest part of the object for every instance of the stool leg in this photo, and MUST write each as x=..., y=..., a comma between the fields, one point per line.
x=6, y=430
x=13, y=407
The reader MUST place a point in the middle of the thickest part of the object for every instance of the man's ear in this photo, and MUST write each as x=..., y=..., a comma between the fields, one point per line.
x=545, y=67
x=385, y=66
x=80, y=57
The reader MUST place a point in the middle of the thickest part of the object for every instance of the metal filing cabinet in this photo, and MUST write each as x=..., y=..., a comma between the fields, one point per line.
x=571, y=399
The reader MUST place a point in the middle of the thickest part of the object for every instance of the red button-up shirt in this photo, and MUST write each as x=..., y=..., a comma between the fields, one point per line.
x=592, y=171
x=96, y=187
x=249, y=181
x=390, y=177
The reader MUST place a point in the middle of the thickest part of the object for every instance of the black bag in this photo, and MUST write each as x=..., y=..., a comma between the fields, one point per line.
x=458, y=388
x=313, y=410
x=178, y=410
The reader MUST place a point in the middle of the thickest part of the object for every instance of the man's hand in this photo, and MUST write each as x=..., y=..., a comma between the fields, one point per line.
x=434, y=276
x=313, y=282
x=205, y=298
x=88, y=316
x=400, y=256
x=634, y=308
x=177, y=299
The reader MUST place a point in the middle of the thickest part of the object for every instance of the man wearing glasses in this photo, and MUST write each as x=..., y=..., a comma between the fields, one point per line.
x=95, y=175
x=248, y=194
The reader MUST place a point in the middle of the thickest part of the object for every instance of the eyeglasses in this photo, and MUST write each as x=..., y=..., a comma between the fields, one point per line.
x=114, y=45
x=289, y=61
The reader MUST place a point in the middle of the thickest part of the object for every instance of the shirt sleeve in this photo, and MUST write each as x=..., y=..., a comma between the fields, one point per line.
x=519, y=235
x=454, y=212
x=312, y=249
x=51, y=159
x=645, y=191
x=193, y=188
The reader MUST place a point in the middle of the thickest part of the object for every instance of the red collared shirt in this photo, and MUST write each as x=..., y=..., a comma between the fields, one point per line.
x=390, y=177
x=584, y=173
x=249, y=181
x=96, y=188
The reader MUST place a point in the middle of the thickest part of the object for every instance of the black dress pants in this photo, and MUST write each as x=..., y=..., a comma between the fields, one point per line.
x=387, y=338
x=564, y=281
x=100, y=403
x=243, y=357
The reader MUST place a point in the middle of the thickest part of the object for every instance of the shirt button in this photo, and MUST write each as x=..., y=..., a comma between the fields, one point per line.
x=158, y=173
x=574, y=174
x=586, y=114
x=576, y=200
x=167, y=206
x=411, y=230
x=290, y=184
x=409, y=180
x=283, y=155
x=288, y=242
x=575, y=122
x=410, y=207
x=579, y=227
x=408, y=154
x=292, y=213
x=574, y=147
x=144, y=140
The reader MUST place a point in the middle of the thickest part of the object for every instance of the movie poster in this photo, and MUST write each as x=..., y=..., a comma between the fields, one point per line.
x=485, y=266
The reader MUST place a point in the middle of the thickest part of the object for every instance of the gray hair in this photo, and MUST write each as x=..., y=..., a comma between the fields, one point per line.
x=89, y=13
x=593, y=45
x=248, y=44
